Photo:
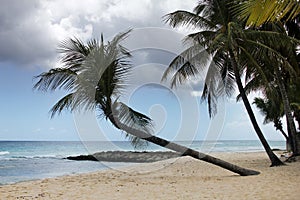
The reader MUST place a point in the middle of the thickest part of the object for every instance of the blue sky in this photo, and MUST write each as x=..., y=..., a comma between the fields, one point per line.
x=33, y=30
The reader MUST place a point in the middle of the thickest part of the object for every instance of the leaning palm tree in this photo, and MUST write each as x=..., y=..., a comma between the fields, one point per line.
x=94, y=74
x=224, y=38
x=258, y=12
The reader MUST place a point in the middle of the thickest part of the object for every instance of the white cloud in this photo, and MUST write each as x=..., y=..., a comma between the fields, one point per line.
x=31, y=30
x=196, y=93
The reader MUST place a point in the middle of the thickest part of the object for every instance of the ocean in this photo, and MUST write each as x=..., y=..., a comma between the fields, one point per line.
x=30, y=160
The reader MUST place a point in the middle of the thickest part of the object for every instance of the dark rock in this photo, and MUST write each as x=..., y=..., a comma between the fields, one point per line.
x=82, y=157
x=127, y=156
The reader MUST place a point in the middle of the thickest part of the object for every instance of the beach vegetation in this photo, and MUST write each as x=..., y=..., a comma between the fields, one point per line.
x=282, y=71
x=237, y=52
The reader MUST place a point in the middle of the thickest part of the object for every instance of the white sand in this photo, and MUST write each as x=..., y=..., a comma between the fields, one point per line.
x=182, y=178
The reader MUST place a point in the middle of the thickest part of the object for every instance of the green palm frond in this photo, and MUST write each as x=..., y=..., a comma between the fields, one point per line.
x=203, y=38
x=212, y=89
x=207, y=54
x=104, y=73
x=65, y=103
x=58, y=78
x=295, y=106
x=272, y=50
x=134, y=120
x=271, y=109
x=260, y=103
x=188, y=64
x=74, y=52
x=226, y=73
x=258, y=12
x=185, y=18
x=252, y=85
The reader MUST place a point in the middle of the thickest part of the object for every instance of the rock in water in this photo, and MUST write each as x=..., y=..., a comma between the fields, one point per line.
x=127, y=156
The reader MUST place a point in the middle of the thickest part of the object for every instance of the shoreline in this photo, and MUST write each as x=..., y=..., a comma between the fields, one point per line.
x=176, y=178
x=130, y=158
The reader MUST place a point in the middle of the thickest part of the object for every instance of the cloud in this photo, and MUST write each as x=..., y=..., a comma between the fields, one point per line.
x=196, y=93
x=31, y=30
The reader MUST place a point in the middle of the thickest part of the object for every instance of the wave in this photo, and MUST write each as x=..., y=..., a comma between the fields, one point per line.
x=3, y=153
x=38, y=157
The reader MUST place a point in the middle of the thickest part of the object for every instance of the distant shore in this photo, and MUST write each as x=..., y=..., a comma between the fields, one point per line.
x=176, y=178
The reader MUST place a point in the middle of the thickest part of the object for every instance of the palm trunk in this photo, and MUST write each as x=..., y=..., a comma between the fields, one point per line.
x=297, y=117
x=181, y=149
x=283, y=133
x=275, y=161
x=278, y=126
x=288, y=142
x=288, y=114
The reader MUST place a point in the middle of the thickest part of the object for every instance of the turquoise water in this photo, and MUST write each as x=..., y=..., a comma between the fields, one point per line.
x=21, y=161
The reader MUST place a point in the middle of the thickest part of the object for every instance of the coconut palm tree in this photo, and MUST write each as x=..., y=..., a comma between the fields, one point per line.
x=93, y=74
x=258, y=12
x=272, y=111
x=282, y=71
x=223, y=37
x=294, y=93
x=272, y=104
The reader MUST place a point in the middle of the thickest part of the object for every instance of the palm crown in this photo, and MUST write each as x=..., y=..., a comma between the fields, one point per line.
x=94, y=75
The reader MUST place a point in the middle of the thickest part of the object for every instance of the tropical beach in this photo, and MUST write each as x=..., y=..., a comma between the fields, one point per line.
x=176, y=178
x=150, y=99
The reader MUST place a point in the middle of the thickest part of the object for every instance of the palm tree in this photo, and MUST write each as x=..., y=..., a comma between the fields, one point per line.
x=294, y=94
x=224, y=38
x=281, y=70
x=272, y=110
x=258, y=12
x=93, y=75
x=272, y=104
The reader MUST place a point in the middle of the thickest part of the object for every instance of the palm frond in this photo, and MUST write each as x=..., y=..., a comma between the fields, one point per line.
x=188, y=64
x=134, y=120
x=65, y=103
x=189, y=19
x=102, y=74
x=200, y=38
x=270, y=108
x=74, y=52
x=214, y=88
x=58, y=78
x=258, y=12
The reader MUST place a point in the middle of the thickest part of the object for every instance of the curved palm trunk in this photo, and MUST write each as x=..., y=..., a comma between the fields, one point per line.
x=275, y=161
x=288, y=114
x=182, y=149
x=283, y=133
x=278, y=126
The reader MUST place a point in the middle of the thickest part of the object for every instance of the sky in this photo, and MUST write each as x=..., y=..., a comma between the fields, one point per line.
x=29, y=35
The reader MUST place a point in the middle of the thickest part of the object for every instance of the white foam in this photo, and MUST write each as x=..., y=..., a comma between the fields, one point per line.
x=3, y=153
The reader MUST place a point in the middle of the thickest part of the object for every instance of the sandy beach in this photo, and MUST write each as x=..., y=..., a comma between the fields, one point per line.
x=176, y=178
